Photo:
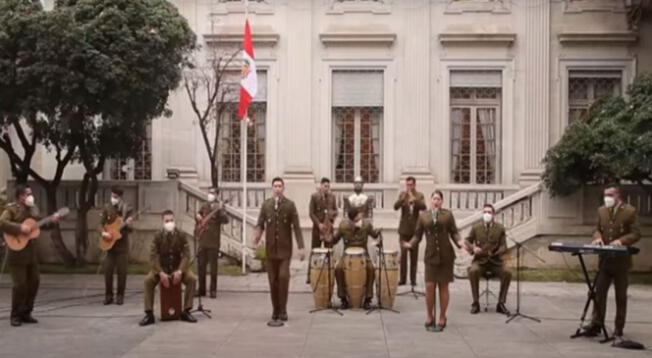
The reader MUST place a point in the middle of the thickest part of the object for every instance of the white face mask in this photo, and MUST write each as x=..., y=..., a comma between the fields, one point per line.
x=211, y=197
x=29, y=201
x=169, y=226
x=609, y=201
x=487, y=217
x=114, y=201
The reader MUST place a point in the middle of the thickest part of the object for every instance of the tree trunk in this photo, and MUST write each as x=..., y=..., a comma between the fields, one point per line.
x=87, y=194
x=55, y=234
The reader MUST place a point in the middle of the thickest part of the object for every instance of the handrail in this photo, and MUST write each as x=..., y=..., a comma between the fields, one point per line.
x=501, y=204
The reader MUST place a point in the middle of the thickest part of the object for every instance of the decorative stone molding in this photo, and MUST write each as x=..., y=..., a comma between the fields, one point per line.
x=343, y=38
x=376, y=7
x=578, y=6
x=225, y=35
x=258, y=7
x=472, y=37
x=492, y=6
x=615, y=37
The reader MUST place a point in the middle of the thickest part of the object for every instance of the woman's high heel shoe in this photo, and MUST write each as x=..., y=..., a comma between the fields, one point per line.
x=440, y=328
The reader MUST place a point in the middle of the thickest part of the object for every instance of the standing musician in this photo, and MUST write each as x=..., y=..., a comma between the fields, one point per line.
x=209, y=240
x=487, y=243
x=617, y=226
x=323, y=211
x=278, y=218
x=438, y=225
x=410, y=202
x=359, y=199
x=22, y=264
x=170, y=265
x=117, y=258
x=355, y=232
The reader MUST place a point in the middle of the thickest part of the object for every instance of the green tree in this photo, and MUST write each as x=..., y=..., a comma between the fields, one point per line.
x=613, y=144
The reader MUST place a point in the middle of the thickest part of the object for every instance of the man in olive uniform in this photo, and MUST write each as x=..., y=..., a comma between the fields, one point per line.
x=23, y=264
x=323, y=211
x=359, y=200
x=617, y=226
x=209, y=241
x=410, y=202
x=278, y=218
x=170, y=265
x=355, y=232
x=117, y=258
x=487, y=243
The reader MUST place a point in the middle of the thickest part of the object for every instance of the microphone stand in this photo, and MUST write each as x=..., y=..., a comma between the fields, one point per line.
x=200, y=308
x=518, y=281
x=381, y=264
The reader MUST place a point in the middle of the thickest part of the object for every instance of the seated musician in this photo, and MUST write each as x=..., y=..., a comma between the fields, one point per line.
x=170, y=261
x=617, y=226
x=486, y=242
x=355, y=232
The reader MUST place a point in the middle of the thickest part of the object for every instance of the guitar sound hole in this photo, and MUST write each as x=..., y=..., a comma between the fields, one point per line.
x=172, y=311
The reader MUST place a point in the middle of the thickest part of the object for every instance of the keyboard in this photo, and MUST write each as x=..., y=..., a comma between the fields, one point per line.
x=593, y=249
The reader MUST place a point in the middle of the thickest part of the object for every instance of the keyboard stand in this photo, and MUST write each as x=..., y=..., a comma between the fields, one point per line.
x=590, y=298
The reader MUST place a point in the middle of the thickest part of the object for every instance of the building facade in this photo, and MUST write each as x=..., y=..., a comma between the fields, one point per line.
x=464, y=95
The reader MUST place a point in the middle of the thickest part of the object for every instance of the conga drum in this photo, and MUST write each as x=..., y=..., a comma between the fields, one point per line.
x=322, y=277
x=355, y=275
x=388, y=278
x=170, y=302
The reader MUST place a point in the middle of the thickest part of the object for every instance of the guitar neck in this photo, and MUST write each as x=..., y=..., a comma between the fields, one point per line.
x=44, y=221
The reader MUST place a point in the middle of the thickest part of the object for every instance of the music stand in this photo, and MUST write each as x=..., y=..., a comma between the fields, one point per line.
x=381, y=264
x=200, y=307
x=518, y=282
x=330, y=306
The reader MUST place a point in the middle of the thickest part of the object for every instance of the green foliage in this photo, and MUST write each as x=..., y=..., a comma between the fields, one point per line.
x=613, y=144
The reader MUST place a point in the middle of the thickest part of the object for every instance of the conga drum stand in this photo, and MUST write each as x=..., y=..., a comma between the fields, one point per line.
x=381, y=267
x=330, y=307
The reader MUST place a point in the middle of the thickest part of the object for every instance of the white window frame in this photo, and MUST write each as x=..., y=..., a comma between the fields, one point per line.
x=441, y=129
x=323, y=130
x=566, y=66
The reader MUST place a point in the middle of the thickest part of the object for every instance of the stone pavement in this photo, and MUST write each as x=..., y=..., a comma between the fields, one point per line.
x=74, y=323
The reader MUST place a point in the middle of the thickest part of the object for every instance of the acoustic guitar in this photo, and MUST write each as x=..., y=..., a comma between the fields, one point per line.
x=18, y=242
x=202, y=225
x=114, y=229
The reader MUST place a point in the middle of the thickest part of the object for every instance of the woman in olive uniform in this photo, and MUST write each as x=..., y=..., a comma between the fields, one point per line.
x=438, y=224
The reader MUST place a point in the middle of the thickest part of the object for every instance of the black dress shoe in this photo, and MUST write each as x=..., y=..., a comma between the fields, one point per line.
x=345, y=304
x=16, y=322
x=475, y=308
x=119, y=300
x=200, y=293
x=401, y=283
x=591, y=330
x=188, y=317
x=283, y=317
x=500, y=308
x=367, y=304
x=28, y=319
x=108, y=300
x=148, y=319
x=213, y=294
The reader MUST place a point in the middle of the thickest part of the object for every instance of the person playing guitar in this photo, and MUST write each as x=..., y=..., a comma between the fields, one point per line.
x=117, y=257
x=210, y=218
x=23, y=264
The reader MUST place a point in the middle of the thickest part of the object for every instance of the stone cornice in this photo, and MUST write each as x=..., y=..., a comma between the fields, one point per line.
x=597, y=37
x=341, y=38
x=505, y=38
x=230, y=37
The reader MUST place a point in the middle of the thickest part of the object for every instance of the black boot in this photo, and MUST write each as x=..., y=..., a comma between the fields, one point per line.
x=148, y=319
x=108, y=299
x=345, y=304
x=283, y=316
x=500, y=308
x=367, y=303
x=475, y=308
x=16, y=322
x=188, y=317
x=27, y=318
x=119, y=299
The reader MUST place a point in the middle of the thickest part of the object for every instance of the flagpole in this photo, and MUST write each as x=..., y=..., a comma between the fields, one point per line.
x=243, y=162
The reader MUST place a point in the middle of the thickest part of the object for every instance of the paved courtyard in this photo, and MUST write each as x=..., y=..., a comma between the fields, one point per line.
x=74, y=323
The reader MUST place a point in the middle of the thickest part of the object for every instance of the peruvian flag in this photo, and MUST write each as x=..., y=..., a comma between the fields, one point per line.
x=249, y=81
